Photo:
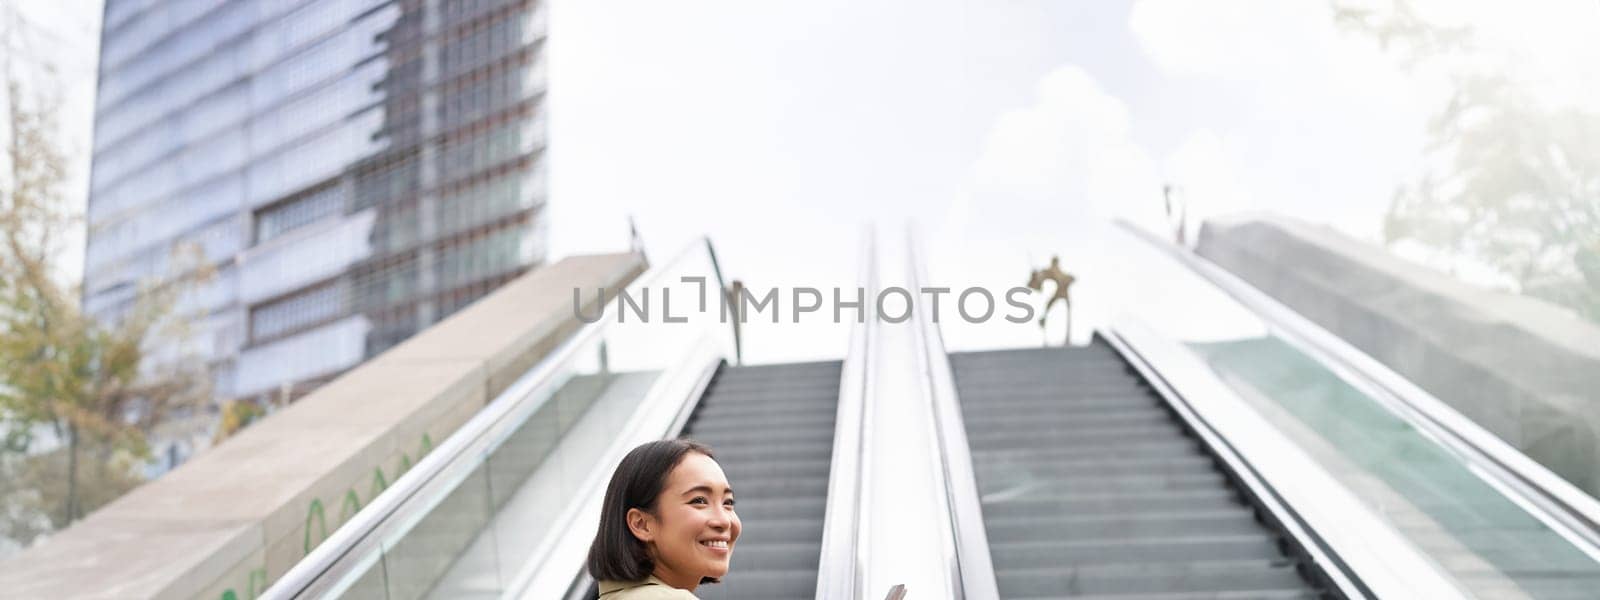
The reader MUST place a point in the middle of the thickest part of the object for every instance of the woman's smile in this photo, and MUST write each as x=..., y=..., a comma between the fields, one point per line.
x=719, y=545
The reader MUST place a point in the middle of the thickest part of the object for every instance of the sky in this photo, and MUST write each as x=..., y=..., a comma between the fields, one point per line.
x=62, y=47
x=1006, y=131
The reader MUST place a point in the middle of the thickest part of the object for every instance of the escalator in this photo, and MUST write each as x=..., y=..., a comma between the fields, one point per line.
x=1055, y=472
x=1091, y=486
x=772, y=429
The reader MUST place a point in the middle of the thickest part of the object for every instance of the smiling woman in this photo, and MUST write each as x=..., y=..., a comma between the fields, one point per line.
x=667, y=524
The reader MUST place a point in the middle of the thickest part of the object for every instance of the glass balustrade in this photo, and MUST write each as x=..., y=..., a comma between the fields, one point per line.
x=469, y=524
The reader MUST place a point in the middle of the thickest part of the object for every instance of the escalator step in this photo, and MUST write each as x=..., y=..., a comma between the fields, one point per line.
x=741, y=469
x=1110, y=503
x=1283, y=594
x=766, y=433
x=771, y=427
x=1091, y=487
x=1255, y=546
x=738, y=423
x=798, y=449
x=1152, y=448
x=1128, y=526
x=756, y=512
x=741, y=584
x=1240, y=578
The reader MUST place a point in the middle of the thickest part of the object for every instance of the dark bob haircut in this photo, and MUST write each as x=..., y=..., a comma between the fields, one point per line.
x=615, y=554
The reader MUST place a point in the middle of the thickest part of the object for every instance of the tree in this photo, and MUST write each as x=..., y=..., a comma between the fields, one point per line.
x=90, y=389
x=1513, y=180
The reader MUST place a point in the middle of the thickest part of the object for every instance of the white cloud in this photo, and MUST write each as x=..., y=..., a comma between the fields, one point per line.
x=1296, y=115
x=1228, y=37
x=1048, y=179
x=1071, y=148
x=1212, y=180
x=1276, y=47
x=1548, y=46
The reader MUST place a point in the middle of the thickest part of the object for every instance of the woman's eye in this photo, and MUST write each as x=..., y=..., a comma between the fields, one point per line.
x=729, y=502
x=698, y=500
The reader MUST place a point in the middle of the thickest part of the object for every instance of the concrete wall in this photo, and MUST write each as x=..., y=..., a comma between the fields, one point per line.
x=1523, y=369
x=229, y=522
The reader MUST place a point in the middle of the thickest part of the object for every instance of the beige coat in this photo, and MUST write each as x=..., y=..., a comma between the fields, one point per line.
x=649, y=589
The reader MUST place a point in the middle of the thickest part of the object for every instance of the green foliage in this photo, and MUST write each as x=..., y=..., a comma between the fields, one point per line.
x=86, y=385
x=236, y=415
x=1512, y=182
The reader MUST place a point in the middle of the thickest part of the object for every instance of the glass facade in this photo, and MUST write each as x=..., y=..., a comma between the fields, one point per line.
x=353, y=170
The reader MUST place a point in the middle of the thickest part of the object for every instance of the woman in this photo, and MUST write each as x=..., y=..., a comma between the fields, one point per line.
x=666, y=526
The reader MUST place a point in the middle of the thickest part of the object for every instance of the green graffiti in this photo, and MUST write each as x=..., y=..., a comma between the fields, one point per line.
x=347, y=509
x=379, y=482
x=257, y=576
x=256, y=585
x=322, y=523
x=350, y=507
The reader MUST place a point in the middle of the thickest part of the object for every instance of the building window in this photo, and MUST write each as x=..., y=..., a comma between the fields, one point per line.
x=299, y=211
x=298, y=311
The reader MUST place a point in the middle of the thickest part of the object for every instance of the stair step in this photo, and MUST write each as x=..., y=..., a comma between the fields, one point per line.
x=1126, y=526
x=1032, y=554
x=771, y=427
x=742, y=583
x=1090, y=485
x=1241, y=578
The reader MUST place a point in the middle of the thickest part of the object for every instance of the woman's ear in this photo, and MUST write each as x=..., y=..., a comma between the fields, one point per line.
x=642, y=524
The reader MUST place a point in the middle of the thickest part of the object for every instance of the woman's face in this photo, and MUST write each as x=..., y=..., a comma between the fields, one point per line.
x=694, y=528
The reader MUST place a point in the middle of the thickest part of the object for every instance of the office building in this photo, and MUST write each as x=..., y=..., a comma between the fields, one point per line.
x=352, y=170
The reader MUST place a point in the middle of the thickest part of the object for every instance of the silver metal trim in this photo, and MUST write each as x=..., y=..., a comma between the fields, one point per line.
x=1563, y=507
x=329, y=568
x=974, y=565
x=839, y=566
x=723, y=303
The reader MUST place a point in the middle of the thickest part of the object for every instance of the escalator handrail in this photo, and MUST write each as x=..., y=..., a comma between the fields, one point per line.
x=1568, y=510
x=839, y=566
x=724, y=302
x=352, y=545
x=974, y=565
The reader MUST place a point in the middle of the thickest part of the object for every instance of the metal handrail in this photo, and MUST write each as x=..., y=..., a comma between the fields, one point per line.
x=974, y=565
x=839, y=566
x=1568, y=511
x=723, y=301
x=323, y=571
